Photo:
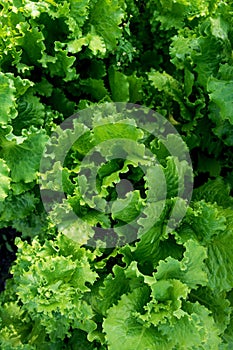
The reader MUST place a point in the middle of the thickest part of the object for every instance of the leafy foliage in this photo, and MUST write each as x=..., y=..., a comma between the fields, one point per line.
x=73, y=287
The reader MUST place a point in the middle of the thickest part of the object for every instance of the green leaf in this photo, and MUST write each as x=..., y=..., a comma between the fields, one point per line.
x=78, y=341
x=7, y=99
x=75, y=227
x=44, y=88
x=11, y=332
x=190, y=270
x=188, y=82
x=135, y=88
x=171, y=88
x=23, y=204
x=30, y=36
x=109, y=291
x=129, y=208
x=220, y=92
x=5, y=180
x=207, y=59
x=195, y=329
x=30, y=112
x=60, y=65
x=106, y=17
x=228, y=336
x=79, y=10
x=212, y=227
x=220, y=262
x=214, y=191
x=125, y=88
x=206, y=221
x=173, y=13
x=181, y=49
x=23, y=158
x=119, y=85
x=223, y=130
x=95, y=88
x=61, y=103
x=33, y=225
x=217, y=303
x=52, y=285
x=122, y=329
x=209, y=165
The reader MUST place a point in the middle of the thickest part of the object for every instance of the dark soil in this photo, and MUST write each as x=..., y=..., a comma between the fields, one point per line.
x=7, y=253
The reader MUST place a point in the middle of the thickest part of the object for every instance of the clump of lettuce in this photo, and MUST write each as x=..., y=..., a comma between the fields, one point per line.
x=56, y=57
x=194, y=90
x=111, y=172
x=139, y=285
x=174, y=293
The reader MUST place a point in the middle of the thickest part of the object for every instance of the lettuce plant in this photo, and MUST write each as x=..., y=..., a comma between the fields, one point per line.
x=119, y=269
x=175, y=292
x=90, y=158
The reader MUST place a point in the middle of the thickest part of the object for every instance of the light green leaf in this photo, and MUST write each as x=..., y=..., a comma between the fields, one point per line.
x=23, y=158
x=196, y=329
x=5, y=180
x=212, y=227
x=79, y=10
x=71, y=225
x=167, y=301
x=220, y=262
x=173, y=13
x=129, y=208
x=7, y=99
x=52, y=285
x=219, y=28
x=206, y=221
x=106, y=17
x=96, y=44
x=76, y=45
x=217, y=303
x=117, y=130
x=60, y=65
x=220, y=93
x=109, y=291
x=190, y=270
x=124, y=331
x=165, y=82
x=181, y=49
x=30, y=112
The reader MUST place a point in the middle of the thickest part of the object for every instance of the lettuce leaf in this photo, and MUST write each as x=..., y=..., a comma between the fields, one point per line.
x=23, y=153
x=5, y=180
